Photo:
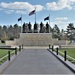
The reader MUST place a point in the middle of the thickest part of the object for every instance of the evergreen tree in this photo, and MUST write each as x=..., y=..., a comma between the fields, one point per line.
x=56, y=32
x=70, y=31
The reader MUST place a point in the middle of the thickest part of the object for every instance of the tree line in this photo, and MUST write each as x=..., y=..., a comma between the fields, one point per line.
x=9, y=32
x=13, y=31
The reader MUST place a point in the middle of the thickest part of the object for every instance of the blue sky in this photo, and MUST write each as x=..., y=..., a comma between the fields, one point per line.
x=62, y=12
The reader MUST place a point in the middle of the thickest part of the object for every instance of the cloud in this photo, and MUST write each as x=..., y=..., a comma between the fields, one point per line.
x=61, y=4
x=9, y=11
x=20, y=7
x=72, y=0
x=61, y=18
x=21, y=11
x=61, y=22
x=39, y=7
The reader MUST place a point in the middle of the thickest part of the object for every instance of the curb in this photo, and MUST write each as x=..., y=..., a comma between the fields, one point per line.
x=66, y=63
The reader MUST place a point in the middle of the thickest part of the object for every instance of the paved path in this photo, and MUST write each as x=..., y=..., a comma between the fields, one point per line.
x=37, y=61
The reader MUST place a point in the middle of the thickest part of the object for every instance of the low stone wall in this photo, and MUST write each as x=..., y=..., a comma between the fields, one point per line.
x=59, y=42
x=67, y=46
x=9, y=42
x=36, y=39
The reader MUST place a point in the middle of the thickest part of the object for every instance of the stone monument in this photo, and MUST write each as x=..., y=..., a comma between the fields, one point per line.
x=47, y=27
x=35, y=39
x=29, y=28
x=25, y=28
x=35, y=28
x=41, y=27
x=27, y=38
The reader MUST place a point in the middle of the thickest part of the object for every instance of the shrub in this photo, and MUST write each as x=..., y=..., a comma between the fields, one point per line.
x=2, y=41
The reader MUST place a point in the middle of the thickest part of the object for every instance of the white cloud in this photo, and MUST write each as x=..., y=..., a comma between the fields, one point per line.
x=61, y=4
x=72, y=0
x=21, y=11
x=9, y=11
x=61, y=18
x=20, y=7
x=39, y=7
x=60, y=24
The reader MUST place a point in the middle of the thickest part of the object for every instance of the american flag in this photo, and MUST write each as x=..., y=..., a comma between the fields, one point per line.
x=32, y=12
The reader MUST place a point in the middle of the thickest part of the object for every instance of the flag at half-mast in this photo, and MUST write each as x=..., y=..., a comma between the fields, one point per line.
x=32, y=12
x=47, y=18
x=19, y=19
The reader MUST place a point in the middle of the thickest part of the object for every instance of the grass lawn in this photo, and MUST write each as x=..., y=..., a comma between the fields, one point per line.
x=2, y=44
x=3, y=53
x=70, y=51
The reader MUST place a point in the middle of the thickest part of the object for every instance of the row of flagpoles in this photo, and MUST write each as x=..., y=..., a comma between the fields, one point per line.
x=31, y=13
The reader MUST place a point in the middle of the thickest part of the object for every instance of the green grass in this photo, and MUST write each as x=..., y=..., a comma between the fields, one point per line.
x=2, y=44
x=4, y=59
x=3, y=53
x=70, y=52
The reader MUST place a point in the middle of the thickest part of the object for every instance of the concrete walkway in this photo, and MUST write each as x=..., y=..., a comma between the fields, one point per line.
x=37, y=61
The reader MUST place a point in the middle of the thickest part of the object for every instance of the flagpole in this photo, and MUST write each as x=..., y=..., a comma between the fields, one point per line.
x=35, y=14
x=21, y=23
x=49, y=22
